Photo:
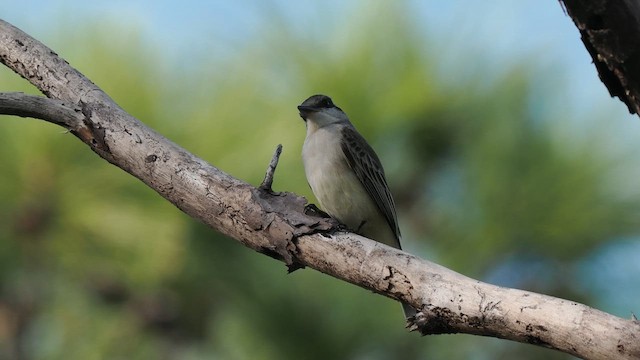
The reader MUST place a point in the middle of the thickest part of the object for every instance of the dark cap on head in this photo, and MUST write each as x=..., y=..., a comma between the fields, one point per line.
x=315, y=103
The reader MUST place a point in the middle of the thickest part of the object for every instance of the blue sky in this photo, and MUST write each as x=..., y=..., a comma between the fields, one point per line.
x=504, y=31
x=505, y=28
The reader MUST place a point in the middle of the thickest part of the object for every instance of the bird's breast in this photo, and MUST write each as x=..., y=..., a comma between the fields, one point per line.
x=338, y=189
x=332, y=181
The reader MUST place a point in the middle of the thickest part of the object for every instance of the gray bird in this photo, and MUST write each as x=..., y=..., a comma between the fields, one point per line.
x=346, y=175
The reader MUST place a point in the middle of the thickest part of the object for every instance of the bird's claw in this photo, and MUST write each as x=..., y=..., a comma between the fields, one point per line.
x=313, y=210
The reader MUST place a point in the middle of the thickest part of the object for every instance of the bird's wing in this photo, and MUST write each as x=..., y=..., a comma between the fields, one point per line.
x=367, y=167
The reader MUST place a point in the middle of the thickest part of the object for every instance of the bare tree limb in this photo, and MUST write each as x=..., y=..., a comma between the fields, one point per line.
x=271, y=169
x=275, y=224
x=51, y=110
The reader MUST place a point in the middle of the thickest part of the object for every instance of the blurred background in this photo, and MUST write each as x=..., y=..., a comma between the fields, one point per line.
x=507, y=158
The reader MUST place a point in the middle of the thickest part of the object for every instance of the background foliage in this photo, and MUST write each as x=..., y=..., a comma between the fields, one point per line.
x=493, y=175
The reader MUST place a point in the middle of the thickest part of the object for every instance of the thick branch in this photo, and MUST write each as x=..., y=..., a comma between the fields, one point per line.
x=276, y=225
x=453, y=303
x=609, y=30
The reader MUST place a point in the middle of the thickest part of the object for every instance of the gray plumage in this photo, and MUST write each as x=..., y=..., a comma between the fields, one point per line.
x=346, y=175
x=365, y=163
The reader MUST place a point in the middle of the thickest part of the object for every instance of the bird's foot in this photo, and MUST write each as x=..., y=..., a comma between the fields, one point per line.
x=313, y=210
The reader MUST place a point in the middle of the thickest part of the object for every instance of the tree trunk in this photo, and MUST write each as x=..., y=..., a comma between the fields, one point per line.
x=610, y=30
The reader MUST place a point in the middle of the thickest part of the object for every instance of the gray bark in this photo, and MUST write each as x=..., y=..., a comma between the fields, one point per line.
x=610, y=32
x=275, y=224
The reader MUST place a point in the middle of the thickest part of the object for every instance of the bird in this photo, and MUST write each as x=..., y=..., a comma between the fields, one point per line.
x=346, y=175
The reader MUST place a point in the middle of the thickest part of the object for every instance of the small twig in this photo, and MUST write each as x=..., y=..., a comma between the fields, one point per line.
x=39, y=107
x=268, y=177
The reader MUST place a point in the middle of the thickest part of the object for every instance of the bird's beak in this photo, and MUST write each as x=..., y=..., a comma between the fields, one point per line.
x=305, y=111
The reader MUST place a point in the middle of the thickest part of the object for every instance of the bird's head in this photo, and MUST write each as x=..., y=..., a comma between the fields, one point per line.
x=321, y=111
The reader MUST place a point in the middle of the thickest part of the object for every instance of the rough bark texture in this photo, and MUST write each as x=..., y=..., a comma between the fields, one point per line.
x=610, y=30
x=275, y=224
x=51, y=110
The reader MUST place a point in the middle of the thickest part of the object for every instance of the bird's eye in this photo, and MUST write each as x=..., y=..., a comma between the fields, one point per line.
x=327, y=103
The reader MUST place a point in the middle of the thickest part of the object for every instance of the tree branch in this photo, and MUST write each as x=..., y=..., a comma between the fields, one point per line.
x=609, y=30
x=51, y=110
x=276, y=225
x=271, y=169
